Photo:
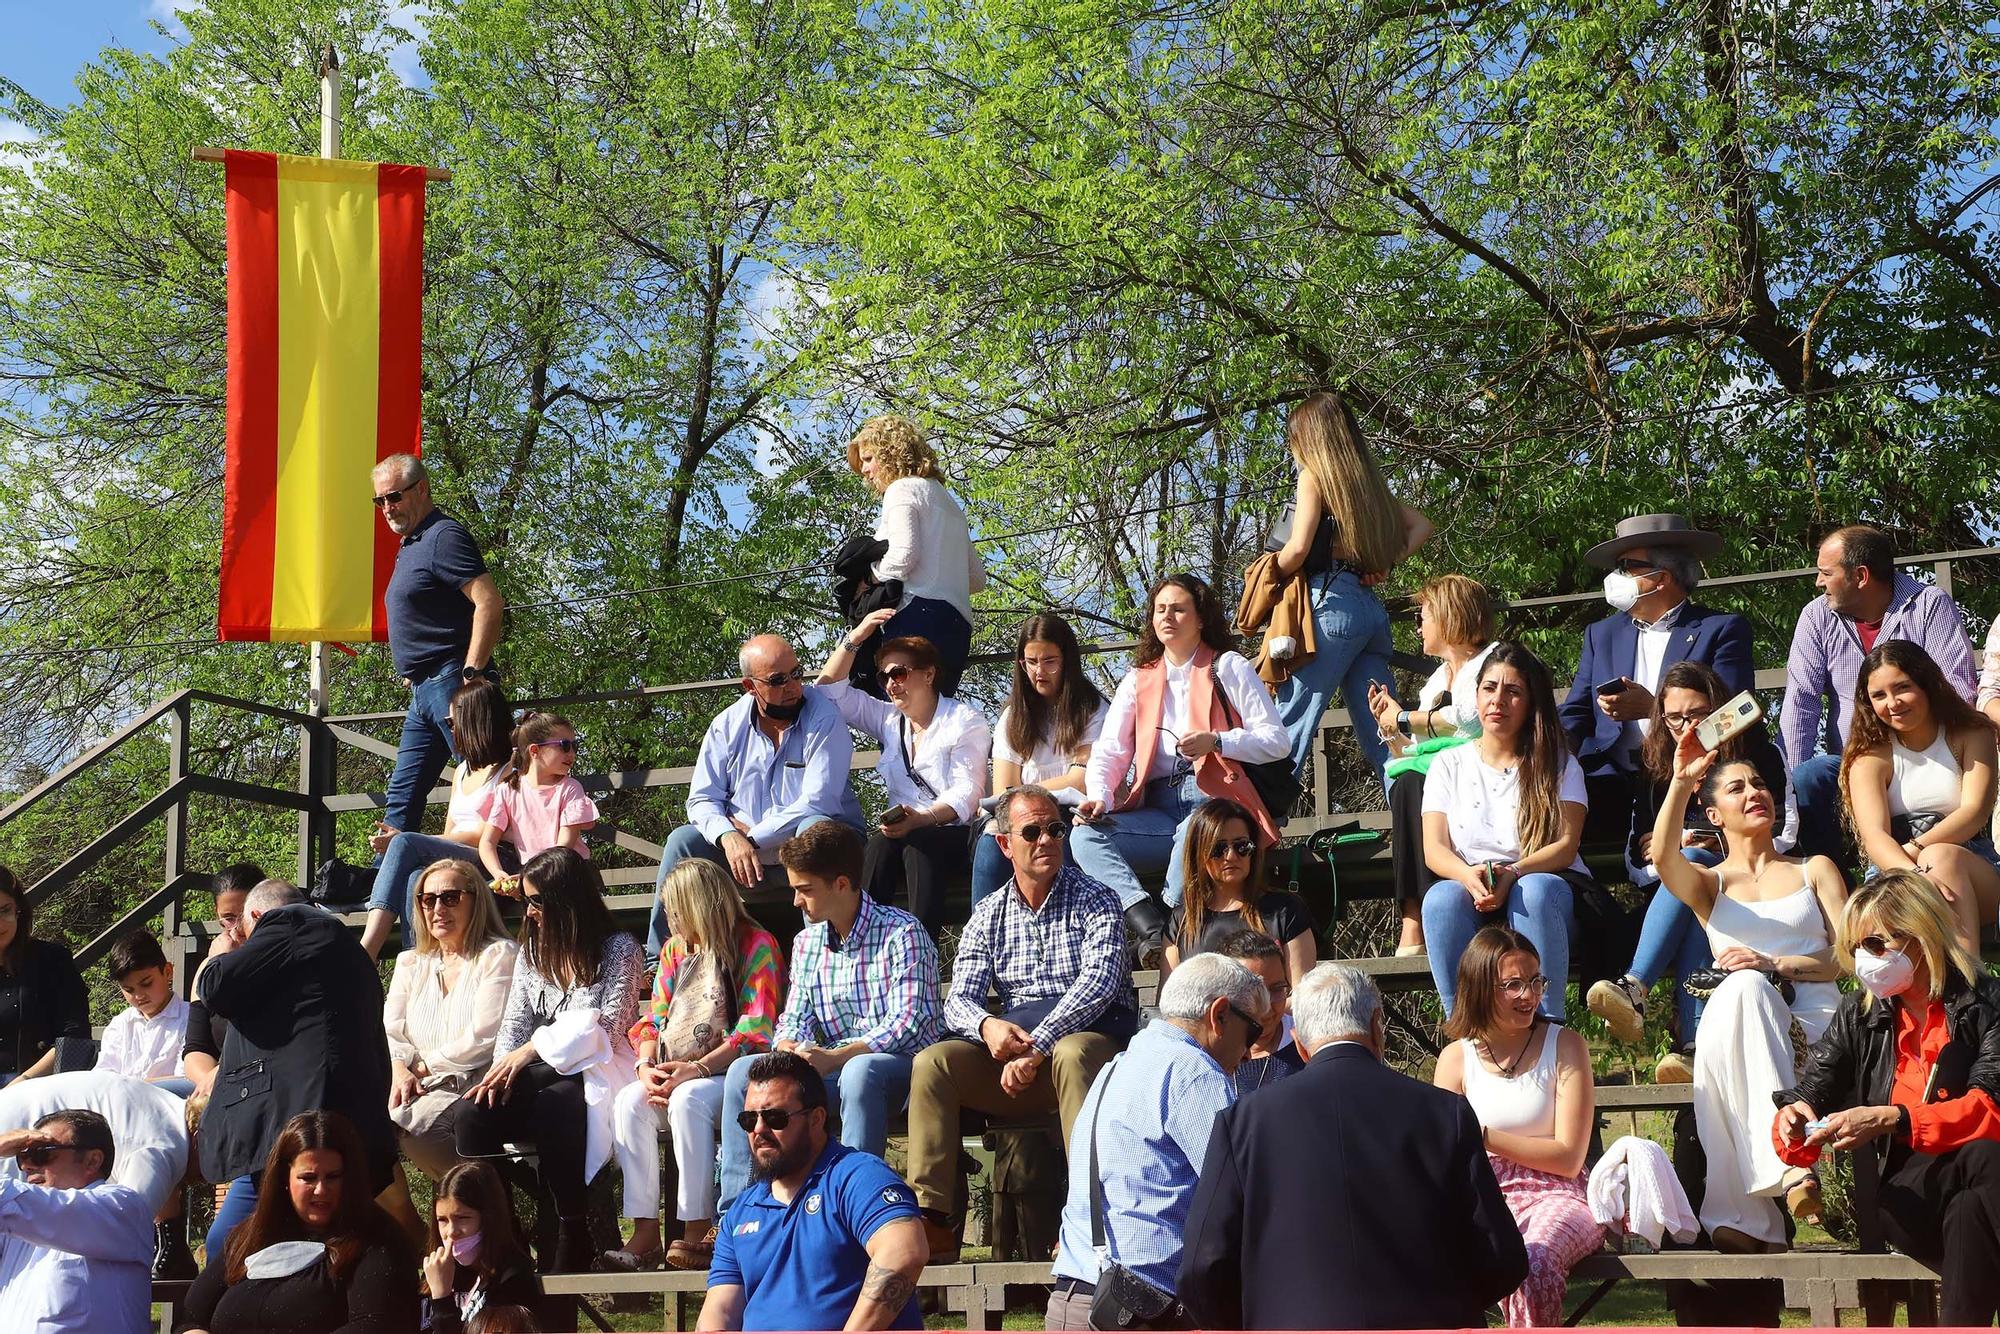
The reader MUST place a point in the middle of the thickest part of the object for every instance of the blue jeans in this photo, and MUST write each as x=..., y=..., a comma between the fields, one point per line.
x=866, y=1092
x=1672, y=943
x=236, y=1208
x=939, y=622
x=990, y=868
x=180, y=1086
x=424, y=748
x=407, y=855
x=1540, y=907
x=1817, y=786
x=1352, y=652
x=1116, y=848
x=685, y=842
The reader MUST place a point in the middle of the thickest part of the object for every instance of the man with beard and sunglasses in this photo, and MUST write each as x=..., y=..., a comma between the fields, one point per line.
x=75, y=1247
x=773, y=764
x=827, y=1237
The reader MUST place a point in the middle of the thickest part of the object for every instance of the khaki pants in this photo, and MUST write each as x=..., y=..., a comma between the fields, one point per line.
x=955, y=1074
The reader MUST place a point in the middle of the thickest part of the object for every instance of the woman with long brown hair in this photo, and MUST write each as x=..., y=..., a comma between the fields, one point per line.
x=1918, y=780
x=318, y=1254
x=1503, y=819
x=40, y=990
x=1347, y=533
x=574, y=997
x=1182, y=724
x=1226, y=892
x=479, y=1263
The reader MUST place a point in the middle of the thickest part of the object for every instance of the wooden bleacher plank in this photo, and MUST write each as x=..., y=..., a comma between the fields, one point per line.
x=1644, y=1097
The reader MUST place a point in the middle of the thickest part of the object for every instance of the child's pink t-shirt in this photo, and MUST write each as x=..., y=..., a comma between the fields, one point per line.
x=533, y=818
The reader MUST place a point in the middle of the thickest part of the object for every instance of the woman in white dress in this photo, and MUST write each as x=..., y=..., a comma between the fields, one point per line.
x=1770, y=923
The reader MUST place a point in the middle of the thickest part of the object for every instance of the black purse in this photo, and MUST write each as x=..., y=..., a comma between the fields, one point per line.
x=339, y=885
x=1703, y=983
x=1276, y=781
x=1122, y=1299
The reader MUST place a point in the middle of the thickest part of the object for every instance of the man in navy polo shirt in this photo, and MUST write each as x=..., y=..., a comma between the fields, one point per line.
x=444, y=621
x=827, y=1237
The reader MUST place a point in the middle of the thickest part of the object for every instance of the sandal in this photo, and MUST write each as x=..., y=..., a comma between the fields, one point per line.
x=626, y=1261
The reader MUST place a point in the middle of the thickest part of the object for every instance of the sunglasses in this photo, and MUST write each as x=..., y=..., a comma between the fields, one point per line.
x=447, y=899
x=567, y=745
x=388, y=498
x=1633, y=565
x=42, y=1154
x=1255, y=1026
x=897, y=671
x=532, y=903
x=774, y=1118
x=779, y=680
x=1242, y=847
x=1878, y=945
x=1035, y=833
x=1517, y=987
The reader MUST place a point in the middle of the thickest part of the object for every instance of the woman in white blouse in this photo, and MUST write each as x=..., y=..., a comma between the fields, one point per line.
x=1455, y=625
x=933, y=765
x=1050, y=721
x=930, y=546
x=444, y=1007
x=1183, y=723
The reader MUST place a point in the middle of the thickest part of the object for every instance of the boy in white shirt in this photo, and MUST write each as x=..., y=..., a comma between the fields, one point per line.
x=144, y=1040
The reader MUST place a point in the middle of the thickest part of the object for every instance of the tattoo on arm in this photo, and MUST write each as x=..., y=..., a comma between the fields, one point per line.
x=887, y=1286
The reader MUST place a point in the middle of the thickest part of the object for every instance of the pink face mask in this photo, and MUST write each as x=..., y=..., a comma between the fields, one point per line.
x=465, y=1249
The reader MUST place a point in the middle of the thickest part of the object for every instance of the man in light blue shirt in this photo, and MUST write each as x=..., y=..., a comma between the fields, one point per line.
x=772, y=764
x=1151, y=1112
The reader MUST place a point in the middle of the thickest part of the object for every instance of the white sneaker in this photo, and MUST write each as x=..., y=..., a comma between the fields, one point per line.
x=1622, y=1007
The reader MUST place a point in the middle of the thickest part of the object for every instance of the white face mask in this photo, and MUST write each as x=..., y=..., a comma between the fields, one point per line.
x=1884, y=975
x=1621, y=590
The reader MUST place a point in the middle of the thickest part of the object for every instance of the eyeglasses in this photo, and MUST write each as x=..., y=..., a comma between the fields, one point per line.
x=1880, y=945
x=42, y=1154
x=567, y=745
x=532, y=903
x=1255, y=1026
x=388, y=498
x=1035, y=833
x=446, y=899
x=779, y=680
x=1516, y=987
x=1682, y=721
x=896, y=671
x=1633, y=565
x=1242, y=847
x=774, y=1118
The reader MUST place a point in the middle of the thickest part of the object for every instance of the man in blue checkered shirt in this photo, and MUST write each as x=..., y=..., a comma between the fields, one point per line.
x=1051, y=945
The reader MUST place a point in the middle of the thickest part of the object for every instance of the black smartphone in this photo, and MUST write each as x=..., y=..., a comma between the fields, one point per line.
x=895, y=815
x=1615, y=686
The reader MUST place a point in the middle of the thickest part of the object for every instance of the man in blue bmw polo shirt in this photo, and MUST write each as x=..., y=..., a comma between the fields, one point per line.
x=827, y=1237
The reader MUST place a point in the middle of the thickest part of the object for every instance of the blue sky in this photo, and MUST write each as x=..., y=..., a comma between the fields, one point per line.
x=48, y=42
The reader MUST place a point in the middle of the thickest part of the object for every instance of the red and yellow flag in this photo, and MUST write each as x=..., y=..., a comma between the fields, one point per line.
x=326, y=262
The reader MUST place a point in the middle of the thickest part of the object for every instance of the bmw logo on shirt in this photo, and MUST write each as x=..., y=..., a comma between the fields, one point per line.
x=812, y=1204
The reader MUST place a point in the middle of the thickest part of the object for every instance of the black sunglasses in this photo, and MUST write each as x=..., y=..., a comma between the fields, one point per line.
x=774, y=1118
x=533, y=903
x=1256, y=1026
x=388, y=498
x=1878, y=945
x=447, y=898
x=1633, y=565
x=896, y=671
x=1035, y=833
x=1242, y=847
x=566, y=744
x=779, y=680
x=43, y=1154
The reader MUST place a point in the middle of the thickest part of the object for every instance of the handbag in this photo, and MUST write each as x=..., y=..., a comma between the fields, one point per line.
x=339, y=885
x=1276, y=781
x=1704, y=982
x=702, y=1011
x=1122, y=1300
x=1903, y=828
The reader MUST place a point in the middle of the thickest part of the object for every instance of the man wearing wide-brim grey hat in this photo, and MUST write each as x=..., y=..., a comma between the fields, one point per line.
x=1655, y=563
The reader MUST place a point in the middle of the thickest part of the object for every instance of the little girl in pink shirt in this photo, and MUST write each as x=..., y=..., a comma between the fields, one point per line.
x=538, y=806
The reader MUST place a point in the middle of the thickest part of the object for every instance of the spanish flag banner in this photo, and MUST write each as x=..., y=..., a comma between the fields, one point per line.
x=326, y=262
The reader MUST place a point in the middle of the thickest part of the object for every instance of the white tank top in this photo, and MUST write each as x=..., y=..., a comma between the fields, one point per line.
x=1923, y=781
x=1524, y=1103
x=1793, y=924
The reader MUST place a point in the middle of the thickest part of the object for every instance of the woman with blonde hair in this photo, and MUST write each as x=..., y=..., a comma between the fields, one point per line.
x=930, y=544
x=444, y=1006
x=717, y=998
x=1454, y=617
x=1347, y=532
x=1909, y=1069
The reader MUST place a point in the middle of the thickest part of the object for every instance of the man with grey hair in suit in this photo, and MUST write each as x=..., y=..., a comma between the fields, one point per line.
x=1349, y=1196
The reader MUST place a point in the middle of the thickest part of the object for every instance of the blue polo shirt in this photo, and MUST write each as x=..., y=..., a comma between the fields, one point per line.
x=430, y=617
x=801, y=1264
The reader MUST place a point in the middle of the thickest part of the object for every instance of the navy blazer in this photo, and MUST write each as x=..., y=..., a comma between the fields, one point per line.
x=1347, y=1196
x=1719, y=640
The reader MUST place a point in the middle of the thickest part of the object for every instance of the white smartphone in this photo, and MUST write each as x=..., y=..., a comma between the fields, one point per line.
x=1735, y=714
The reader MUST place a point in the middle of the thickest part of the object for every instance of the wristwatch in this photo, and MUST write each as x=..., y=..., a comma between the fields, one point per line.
x=471, y=674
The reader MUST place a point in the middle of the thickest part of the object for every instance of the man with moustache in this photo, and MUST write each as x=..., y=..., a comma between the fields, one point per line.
x=827, y=1237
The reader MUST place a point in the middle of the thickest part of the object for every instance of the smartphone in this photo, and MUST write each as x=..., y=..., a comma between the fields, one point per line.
x=1735, y=714
x=895, y=815
x=1615, y=686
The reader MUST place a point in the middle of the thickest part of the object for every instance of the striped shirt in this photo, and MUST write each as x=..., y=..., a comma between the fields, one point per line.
x=759, y=979
x=877, y=986
x=1070, y=951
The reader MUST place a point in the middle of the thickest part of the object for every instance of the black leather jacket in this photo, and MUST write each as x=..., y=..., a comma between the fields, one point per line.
x=1854, y=1062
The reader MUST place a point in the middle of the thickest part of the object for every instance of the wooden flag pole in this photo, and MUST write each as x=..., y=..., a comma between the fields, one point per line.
x=329, y=147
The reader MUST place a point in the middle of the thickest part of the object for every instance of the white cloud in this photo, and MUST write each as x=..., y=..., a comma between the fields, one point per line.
x=405, y=58
x=170, y=11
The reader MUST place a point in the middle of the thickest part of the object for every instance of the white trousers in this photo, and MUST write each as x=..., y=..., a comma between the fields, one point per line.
x=694, y=1116
x=1742, y=1055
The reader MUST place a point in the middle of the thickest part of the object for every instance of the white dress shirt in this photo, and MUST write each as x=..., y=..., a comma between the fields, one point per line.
x=75, y=1260
x=1649, y=664
x=1045, y=765
x=1259, y=735
x=145, y=1048
x=453, y=1031
x=951, y=754
x=930, y=544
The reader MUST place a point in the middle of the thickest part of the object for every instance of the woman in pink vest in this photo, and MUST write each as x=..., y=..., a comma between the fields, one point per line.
x=1184, y=722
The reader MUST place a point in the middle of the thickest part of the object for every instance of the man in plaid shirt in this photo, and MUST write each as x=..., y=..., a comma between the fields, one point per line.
x=1051, y=944
x=863, y=1003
